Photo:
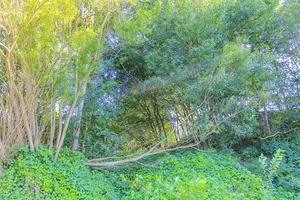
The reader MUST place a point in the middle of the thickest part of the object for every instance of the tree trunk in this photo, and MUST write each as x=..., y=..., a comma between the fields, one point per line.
x=266, y=122
x=76, y=134
x=66, y=125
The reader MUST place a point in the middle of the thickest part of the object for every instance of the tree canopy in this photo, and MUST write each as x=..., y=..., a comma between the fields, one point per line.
x=134, y=78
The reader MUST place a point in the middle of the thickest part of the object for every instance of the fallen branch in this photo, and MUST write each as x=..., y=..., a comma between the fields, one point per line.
x=139, y=157
x=277, y=133
x=121, y=157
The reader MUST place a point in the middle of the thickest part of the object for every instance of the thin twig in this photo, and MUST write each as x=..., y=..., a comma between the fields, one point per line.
x=278, y=132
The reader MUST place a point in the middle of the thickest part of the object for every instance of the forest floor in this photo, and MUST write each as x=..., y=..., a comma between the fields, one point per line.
x=184, y=174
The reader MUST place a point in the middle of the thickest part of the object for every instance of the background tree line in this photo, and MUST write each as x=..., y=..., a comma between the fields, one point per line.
x=108, y=76
x=224, y=74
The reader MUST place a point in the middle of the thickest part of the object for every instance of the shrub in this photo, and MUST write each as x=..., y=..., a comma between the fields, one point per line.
x=194, y=175
x=249, y=152
x=288, y=177
x=181, y=175
x=271, y=168
x=38, y=176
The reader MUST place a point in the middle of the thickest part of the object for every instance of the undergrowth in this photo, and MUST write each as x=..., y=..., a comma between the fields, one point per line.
x=38, y=176
x=180, y=175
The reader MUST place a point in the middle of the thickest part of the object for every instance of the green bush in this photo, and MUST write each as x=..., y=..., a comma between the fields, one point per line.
x=180, y=175
x=249, y=152
x=38, y=176
x=288, y=177
x=193, y=175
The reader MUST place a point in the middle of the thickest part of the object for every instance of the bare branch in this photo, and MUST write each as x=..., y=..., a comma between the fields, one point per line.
x=139, y=157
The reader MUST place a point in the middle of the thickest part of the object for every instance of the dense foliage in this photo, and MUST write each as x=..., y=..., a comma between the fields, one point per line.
x=194, y=175
x=211, y=71
x=38, y=176
x=288, y=174
x=119, y=80
x=181, y=175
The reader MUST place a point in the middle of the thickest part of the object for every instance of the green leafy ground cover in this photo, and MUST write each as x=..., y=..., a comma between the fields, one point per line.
x=37, y=176
x=180, y=175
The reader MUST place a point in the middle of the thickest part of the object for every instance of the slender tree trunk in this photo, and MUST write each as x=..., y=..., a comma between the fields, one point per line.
x=66, y=124
x=76, y=134
x=53, y=122
x=148, y=114
x=266, y=122
x=60, y=125
x=161, y=120
x=18, y=102
x=154, y=105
